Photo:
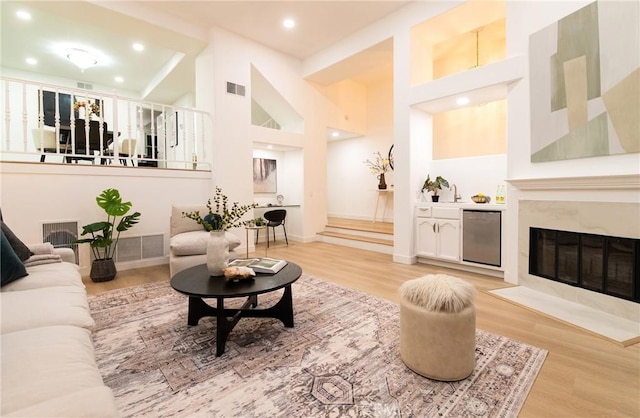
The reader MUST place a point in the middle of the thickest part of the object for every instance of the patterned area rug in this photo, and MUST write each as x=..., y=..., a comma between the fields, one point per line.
x=340, y=360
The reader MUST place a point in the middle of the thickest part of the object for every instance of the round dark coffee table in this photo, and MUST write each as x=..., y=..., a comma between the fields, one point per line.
x=196, y=283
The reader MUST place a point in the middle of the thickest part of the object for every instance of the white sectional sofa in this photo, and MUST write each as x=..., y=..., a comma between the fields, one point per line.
x=48, y=367
x=188, y=242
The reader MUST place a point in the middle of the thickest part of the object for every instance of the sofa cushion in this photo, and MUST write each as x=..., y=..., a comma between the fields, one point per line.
x=22, y=251
x=11, y=267
x=48, y=275
x=92, y=402
x=438, y=292
x=180, y=224
x=63, y=305
x=45, y=363
x=195, y=242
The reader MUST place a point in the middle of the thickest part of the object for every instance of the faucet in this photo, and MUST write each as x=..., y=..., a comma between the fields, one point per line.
x=456, y=196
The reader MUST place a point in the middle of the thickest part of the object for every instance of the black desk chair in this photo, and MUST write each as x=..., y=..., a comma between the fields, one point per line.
x=276, y=218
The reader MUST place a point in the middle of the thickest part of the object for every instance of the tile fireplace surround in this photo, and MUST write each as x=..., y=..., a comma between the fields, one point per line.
x=614, y=318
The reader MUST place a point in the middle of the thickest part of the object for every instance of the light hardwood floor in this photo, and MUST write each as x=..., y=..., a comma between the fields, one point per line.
x=583, y=375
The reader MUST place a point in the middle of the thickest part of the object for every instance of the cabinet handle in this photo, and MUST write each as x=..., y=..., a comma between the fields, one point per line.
x=434, y=228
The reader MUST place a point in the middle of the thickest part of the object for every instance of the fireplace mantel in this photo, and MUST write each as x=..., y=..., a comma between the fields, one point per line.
x=617, y=182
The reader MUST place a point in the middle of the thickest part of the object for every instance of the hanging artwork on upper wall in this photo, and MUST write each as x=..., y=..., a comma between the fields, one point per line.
x=585, y=83
x=264, y=176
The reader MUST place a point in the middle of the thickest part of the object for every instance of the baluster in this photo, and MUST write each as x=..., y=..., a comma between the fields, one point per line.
x=56, y=119
x=115, y=130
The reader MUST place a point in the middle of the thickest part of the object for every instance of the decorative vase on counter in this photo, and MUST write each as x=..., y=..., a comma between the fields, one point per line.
x=382, y=185
x=217, y=252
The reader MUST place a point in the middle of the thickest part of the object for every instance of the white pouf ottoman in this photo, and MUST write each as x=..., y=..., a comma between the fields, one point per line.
x=438, y=327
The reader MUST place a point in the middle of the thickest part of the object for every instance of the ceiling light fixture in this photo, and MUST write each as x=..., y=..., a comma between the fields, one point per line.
x=81, y=58
x=289, y=23
x=23, y=14
x=138, y=47
x=335, y=134
x=118, y=79
x=461, y=101
x=31, y=61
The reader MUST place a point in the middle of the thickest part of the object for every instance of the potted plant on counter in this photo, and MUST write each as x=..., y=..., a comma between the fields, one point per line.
x=434, y=185
x=102, y=243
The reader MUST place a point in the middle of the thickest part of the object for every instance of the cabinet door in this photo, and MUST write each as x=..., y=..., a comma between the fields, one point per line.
x=448, y=239
x=426, y=237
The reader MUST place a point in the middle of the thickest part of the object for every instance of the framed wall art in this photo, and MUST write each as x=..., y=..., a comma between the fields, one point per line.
x=264, y=175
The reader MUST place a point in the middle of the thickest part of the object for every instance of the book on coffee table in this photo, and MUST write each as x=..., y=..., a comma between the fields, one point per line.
x=260, y=265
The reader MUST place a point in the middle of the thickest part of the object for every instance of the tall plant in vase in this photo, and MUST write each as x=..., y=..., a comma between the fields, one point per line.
x=220, y=218
x=378, y=166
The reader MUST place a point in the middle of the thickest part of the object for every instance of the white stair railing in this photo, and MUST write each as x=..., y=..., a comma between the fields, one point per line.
x=166, y=136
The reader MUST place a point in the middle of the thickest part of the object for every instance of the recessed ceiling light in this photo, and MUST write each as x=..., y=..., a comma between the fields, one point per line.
x=138, y=47
x=23, y=14
x=461, y=101
x=31, y=61
x=270, y=146
x=289, y=23
x=119, y=79
x=335, y=134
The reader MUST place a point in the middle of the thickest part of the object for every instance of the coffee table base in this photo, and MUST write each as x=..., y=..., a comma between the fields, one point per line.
x=226, y=319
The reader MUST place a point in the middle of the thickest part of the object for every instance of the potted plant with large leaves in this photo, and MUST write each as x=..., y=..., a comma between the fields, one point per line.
x=434, y=185
x=102, y=241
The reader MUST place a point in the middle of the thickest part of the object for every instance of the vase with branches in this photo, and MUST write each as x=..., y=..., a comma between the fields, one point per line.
x=220, y=218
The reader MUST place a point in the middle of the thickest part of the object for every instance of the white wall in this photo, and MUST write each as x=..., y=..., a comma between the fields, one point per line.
x=232, y=58
x=524, y=19
x=33, y=194
x=351, y=187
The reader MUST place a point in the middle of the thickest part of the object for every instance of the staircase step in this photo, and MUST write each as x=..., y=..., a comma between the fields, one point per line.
x=357, y=238
x=360, y=225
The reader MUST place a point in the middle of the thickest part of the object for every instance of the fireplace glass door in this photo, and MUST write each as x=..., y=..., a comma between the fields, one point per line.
x=604, y=264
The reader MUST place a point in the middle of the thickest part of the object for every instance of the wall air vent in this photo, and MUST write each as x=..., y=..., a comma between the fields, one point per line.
x=61, y=235
x=234, y=88
x=85, y=86
x=139, y=248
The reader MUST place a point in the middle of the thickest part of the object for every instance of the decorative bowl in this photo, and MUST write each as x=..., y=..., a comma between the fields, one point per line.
x=481, y=199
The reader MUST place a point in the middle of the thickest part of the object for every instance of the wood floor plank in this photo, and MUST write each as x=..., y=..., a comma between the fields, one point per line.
x=583, y=375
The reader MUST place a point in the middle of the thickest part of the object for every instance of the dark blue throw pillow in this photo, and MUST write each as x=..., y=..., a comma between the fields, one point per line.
x=11, y=268
x=22, y=251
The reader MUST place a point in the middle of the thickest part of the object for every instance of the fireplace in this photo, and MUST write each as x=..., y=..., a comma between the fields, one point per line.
x=600, y=263
x=575, y=239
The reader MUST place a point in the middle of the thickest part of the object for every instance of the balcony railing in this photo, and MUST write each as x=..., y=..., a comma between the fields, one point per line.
x=53, y=124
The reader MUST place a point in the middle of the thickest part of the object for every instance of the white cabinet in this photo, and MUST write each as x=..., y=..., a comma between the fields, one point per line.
x=438, y=237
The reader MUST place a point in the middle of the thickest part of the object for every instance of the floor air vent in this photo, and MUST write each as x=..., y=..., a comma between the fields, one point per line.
x=61, y=235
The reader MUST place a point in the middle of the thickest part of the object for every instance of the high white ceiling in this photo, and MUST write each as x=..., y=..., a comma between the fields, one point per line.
x=173, y=33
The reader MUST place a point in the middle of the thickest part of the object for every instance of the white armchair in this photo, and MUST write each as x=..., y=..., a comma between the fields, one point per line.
x=46, y=141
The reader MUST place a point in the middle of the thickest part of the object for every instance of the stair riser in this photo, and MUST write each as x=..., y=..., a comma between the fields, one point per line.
x=358, y=233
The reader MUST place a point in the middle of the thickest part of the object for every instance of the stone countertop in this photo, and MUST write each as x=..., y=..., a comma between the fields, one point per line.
x=464, y=205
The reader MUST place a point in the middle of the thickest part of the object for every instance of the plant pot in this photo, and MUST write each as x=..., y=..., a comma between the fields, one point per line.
x=217, y=253
x=435, y=198
x=382, y=185
x=103, y=270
